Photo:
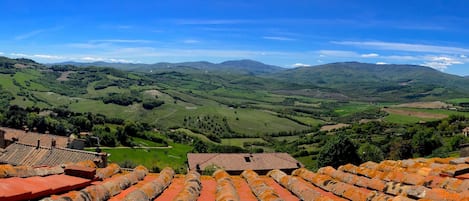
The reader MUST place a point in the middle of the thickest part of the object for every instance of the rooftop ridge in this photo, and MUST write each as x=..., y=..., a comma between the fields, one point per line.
x=60, y=148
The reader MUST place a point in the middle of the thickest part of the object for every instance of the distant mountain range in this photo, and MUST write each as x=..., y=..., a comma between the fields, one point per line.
x=352, y=80
x=235, y=66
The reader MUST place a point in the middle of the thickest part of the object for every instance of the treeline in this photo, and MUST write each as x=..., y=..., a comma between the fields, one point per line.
x=375, y=141
x=56, y=121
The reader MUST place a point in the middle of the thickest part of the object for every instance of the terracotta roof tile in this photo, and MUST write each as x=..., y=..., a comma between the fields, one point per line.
x=177, y=184
x=259, y=187
x=31, y=138
x=240, y=162
x=153, y=188
x=209, y=188
x=225, y=186
x=29, y=155
x=183, y=189
x=404, y=180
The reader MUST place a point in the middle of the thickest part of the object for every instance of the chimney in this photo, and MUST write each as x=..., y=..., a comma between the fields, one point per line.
x=52, y=143
x=103, y=157
x=38, y=144
x=2, y=139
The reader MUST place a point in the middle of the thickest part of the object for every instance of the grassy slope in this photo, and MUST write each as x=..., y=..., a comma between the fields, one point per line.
x=175, y=157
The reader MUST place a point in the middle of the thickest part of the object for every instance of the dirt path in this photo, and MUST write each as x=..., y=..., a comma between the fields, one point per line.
x=64, y=75
x=414, y=113
x=429, y=105
x=332, y=127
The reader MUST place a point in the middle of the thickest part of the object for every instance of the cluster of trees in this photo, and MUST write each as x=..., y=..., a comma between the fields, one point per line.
x=212, y=126
x=110, y=131
x=149, y=104
x=56, y=121
x=375, y=141
x=124, y=99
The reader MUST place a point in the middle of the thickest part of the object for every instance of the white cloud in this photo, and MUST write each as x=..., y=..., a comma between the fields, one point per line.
x=279, y=38
x=402, y=58
x=407, y=47
x=45, y=56
x=370, y=55
x=190, y=41
x=38, y=56
x=381, y=63
x=1, y=53
x=18, y=55
x=463, y=56
x=337, y=53
x=441, y=62
x=300, y=65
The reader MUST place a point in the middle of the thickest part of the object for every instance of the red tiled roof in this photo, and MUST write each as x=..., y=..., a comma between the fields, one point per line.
x=241, y=162
x=440, y=179
x=31, y=138
x=24, y=154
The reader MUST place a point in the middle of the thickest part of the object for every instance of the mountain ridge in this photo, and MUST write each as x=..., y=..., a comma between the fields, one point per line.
x=242, y=66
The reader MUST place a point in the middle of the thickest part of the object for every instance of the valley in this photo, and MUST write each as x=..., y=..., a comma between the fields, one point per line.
x=234, y=106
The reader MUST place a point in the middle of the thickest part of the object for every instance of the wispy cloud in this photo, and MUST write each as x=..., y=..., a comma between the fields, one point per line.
x=279, y=38
x=121, y=41
x=46, y=56
x=116, y=27
x=38, y=56
x=300, y=65
x=88, y=45
x=36, y=32
x=190, y=41
x=337, y=53
x=381, y=63
x=369, y=55
x=1, y=53
x=55, y=58
x=441, y=62
x=210, y=21
x=406, y=47
x=18, y=55
x=175, y=52
x=95, y=59
x=107, y=43
x=29, y=34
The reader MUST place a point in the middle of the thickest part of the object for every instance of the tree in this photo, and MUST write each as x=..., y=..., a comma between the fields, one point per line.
x=424, y=142
x=200, y=146
x=370, y=152
x=339, y=150
x=400, y=149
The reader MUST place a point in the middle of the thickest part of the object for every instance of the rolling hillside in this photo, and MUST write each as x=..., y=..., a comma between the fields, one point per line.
x=234, y=66
x=379, y=82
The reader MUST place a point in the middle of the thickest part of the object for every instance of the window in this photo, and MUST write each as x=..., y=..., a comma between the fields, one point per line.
x=247, y=159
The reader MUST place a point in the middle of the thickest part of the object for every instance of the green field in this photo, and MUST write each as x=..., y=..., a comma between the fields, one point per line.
x=240, y=141
x=353, y=107
x=146, y=143
x=175, y=157
x=458, y=100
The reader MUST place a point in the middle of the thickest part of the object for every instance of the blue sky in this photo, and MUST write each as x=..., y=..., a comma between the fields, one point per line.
x=284, y=33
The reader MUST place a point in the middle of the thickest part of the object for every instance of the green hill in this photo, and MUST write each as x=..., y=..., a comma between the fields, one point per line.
x=364, y=81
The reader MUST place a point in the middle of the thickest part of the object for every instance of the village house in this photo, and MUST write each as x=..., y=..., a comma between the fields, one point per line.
x=465, y=131
x=236, y=163
x=11, y=136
